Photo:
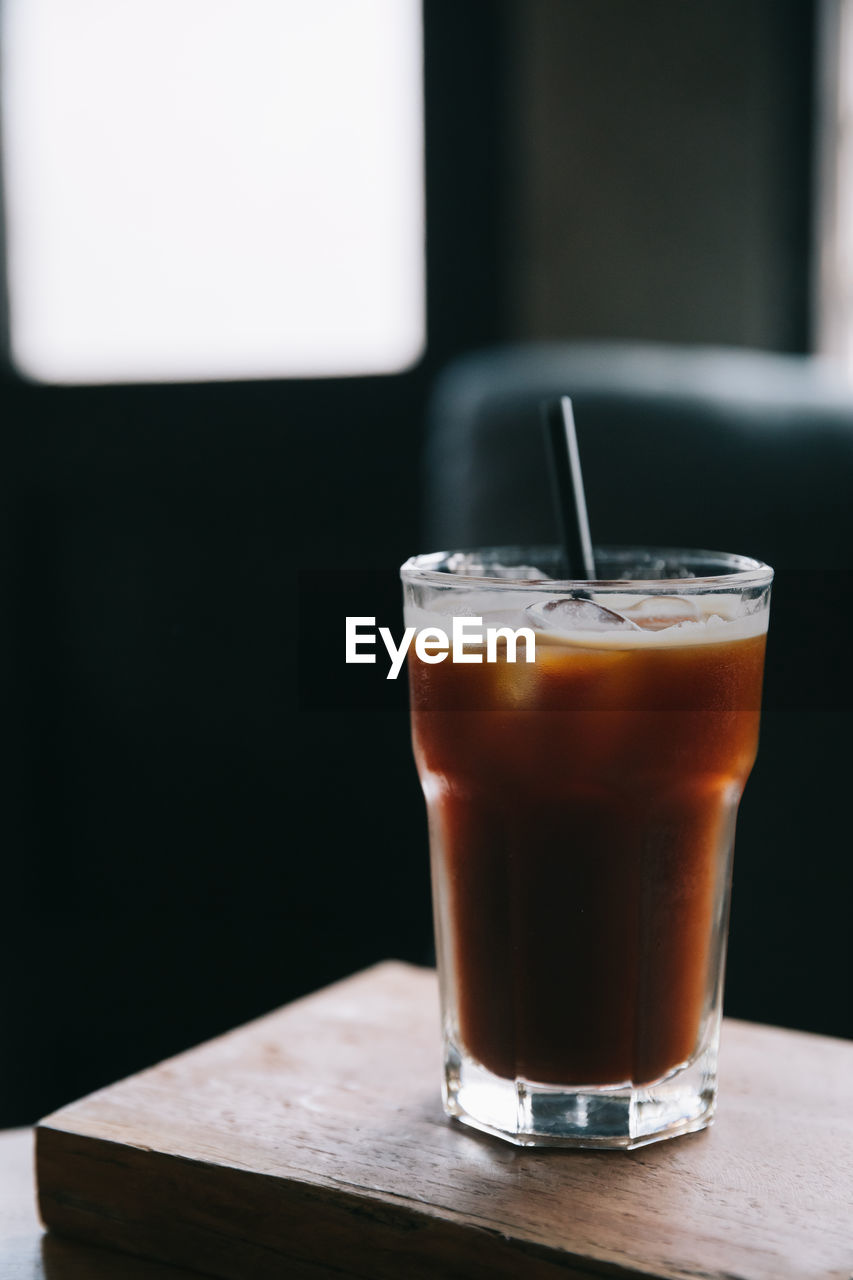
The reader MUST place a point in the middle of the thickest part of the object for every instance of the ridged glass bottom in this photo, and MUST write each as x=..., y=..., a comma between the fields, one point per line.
x=619, y=1116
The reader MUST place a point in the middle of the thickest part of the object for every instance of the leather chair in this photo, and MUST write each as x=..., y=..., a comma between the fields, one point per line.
x=729, y=450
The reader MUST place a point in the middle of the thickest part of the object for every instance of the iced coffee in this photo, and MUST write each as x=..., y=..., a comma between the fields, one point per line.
x=581, y=813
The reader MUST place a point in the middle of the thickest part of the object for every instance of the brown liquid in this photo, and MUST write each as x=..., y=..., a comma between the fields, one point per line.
x=581, y=813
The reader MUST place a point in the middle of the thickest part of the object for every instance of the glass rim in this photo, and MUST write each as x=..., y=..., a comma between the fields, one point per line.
x=740, y=571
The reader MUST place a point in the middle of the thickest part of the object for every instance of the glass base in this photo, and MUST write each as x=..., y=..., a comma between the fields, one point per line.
x=597, y=1116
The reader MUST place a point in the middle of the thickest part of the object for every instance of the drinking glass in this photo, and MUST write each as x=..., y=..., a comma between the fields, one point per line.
x=581, y=810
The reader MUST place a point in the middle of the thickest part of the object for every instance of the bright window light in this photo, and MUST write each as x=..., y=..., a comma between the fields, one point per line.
x=834, y=278
x=203, y=189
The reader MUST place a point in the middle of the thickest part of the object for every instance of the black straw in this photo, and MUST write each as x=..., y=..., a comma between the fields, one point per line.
x=567, y=482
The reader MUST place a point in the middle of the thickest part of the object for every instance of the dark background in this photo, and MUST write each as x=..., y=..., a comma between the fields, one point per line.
x=192, y=834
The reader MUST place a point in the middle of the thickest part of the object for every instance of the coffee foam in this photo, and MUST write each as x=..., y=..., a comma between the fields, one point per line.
x=715, y=627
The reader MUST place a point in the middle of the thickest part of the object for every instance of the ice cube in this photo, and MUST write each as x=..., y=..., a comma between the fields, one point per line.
x=473, y=566
x=450, y=603
x=655, y=613
x=521, y=572
x=576, y=613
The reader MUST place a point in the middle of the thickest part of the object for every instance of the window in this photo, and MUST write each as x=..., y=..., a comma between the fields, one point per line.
x=834, y=297
x=204, y=189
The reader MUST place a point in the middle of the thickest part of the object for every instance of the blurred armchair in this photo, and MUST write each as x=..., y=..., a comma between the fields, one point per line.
x=729, y=450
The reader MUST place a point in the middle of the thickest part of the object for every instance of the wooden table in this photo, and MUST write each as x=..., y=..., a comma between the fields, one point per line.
x=311, y=1144
x=26, y=1253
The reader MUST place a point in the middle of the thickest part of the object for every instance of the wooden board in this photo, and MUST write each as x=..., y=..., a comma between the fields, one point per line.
x=311, y=1144
x=27, y=1254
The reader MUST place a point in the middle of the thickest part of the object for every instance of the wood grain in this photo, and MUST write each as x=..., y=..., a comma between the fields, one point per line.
x=311, y=1143
x=27, y=1254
